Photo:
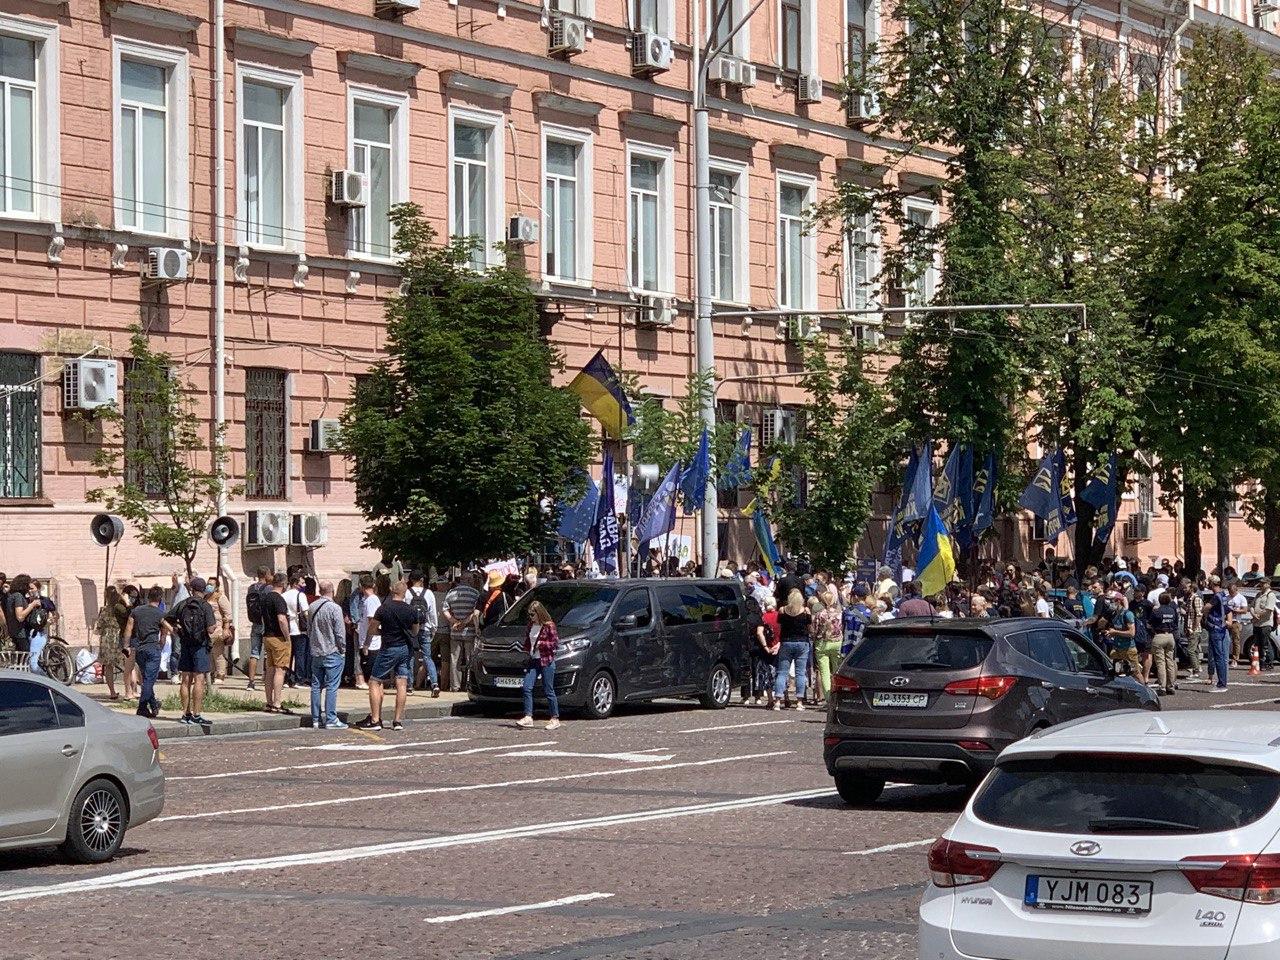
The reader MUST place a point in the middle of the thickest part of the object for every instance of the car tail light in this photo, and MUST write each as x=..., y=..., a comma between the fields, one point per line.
x=151, y=735
x=843, y=684
x=976, y=746
x=993, y=688
x=952, y=864
x=1251, y=877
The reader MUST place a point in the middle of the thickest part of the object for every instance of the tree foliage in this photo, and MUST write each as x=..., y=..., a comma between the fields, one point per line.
x=459, y=433
x=822, y=499
x=169, y=478
x=666, y=437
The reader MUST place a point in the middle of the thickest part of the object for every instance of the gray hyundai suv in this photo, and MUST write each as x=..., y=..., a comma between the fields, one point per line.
x=931, y=700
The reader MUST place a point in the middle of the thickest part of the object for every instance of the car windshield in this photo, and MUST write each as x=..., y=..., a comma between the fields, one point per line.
x=1104, y=793
x=572, y=605
x=920, y=650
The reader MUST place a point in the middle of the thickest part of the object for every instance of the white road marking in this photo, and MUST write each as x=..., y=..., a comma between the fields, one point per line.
x=505, y=746
x=469, y=787
x=525, y=908
x=153, y=876
x=312, y=766
x=377, y=747
x=1242, y=703
x=735, y=726
x=887, y=848
x=625, y=757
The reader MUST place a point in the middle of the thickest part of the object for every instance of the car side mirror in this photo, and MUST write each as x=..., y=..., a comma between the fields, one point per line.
x=627, y=622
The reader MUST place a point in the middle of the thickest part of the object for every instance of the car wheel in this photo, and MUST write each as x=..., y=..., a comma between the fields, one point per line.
x=858, y=791
x=96, y=824
x=719, y=688
x=602, y=696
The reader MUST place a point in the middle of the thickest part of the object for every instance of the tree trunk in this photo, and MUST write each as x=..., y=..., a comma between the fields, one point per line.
x=1271, y=529
x=1223, y=522
x=1192, y=518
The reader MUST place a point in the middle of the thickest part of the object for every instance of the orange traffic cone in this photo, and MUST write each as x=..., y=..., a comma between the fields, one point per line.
x=1255, y=668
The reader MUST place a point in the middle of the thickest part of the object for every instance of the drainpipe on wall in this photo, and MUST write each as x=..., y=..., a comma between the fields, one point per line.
x=219, y=272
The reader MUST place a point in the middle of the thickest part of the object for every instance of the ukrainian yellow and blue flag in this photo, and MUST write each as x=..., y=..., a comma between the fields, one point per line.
x=935, y=561
x=602, y=395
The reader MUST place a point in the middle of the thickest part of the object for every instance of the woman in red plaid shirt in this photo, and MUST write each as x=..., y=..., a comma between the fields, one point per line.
x=540, y=642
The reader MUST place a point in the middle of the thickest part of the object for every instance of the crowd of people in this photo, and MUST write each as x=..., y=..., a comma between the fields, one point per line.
x=806, y=621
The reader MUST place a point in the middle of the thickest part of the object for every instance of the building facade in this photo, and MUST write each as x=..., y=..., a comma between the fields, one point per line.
x=574, y=117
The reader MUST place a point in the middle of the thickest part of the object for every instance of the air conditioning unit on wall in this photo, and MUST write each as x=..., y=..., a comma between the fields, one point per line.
x=309, y=530
x=809, y=88
x=655, y=312
x=88, y=384
x=650, y=53
x=166, y=264
x=1138, y=527
x=324, y=436
x=267, y=528
x=568, y=36
x=349, y=188
x=522, y=230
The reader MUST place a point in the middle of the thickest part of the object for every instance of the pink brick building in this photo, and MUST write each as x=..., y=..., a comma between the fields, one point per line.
x=461, y=106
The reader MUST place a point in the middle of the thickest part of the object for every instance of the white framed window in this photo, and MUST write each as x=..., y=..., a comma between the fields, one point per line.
x=30, y=172
x=269, y=210
x=567, y=215
x=586, y=9
x=476, y=181
x=151, y=146
x=862, y=263
x=722, y=16
x=923, y=267
x=650, y=219
x=797, y=245
x=729, y=261
x=656, y=16
x=377, y=146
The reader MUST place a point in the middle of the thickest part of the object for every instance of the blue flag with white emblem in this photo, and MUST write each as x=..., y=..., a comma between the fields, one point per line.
x=1043, y=495
x=1067, y=503
x=605, y=536
x=953, y=492
x=660, y=514
x=693, y=482
x=984, y=496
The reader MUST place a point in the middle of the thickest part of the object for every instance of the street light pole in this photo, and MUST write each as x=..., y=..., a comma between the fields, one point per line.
x=706, y=348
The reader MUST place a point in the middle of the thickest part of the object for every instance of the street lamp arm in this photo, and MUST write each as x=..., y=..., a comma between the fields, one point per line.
x=709, y=53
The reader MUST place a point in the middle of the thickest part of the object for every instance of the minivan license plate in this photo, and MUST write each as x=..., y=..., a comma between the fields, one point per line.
x=1092, y=895
x=508, y=682
x=886, y=699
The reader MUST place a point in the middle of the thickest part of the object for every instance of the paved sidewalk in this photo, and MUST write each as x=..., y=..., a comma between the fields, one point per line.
x=353, y=705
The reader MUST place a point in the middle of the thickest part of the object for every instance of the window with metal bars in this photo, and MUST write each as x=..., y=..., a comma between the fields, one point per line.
x=266, y=456
x=146, y=450
x=19, y=425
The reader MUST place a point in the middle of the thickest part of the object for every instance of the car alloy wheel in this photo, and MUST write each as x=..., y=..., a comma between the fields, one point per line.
x=602, y=694
x=101, y=821
x=719, y=688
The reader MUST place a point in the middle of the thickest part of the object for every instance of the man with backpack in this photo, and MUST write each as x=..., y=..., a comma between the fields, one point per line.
x=295, y=598
x=423, y=603
x=255, y=608
x=193, y=620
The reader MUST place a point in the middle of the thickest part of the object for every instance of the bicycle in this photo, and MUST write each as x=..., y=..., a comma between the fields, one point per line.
x=58, y=660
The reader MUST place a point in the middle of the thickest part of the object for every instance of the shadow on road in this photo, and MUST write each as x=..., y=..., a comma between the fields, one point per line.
x=946, y=799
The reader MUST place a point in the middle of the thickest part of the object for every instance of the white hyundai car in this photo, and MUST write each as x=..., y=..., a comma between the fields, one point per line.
x=1123, y=836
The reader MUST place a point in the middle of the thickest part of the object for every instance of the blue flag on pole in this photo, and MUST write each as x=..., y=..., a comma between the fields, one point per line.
x=953, y=492
x=935, y=563
x=577, y=519
x=737, y=472
x=1100, y=489
x=693, y=482
x=897, y=522
x=1067, y=503
x=1043, y=495
x=918, y=497
x=984, y=496
x=660, y=514
x=764, y=541
x=605, y=537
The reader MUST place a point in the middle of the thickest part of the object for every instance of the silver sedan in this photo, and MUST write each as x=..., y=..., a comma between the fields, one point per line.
x=75, y=774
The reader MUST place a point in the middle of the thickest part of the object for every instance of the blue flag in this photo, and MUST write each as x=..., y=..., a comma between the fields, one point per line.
x=737, y=472
x=1043, y=495
x=1067, y=503
x=660, y=514
x=605, y=537
x=769, y=554
x=918, y=497
x=984, y=496
x=577, y=519
x=1100, y=489
x=953, y=492
x=897, y=522
x=693, y=482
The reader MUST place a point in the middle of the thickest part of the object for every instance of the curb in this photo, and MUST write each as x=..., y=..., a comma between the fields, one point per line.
x=170, y=729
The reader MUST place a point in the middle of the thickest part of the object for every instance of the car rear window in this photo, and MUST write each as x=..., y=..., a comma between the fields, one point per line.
x=1109, y=794
x=910, y=650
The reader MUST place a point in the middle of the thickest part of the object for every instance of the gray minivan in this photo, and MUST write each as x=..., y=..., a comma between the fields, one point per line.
x=622, y=641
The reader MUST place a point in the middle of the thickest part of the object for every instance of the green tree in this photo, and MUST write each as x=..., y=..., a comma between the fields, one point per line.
x=821, y=501
x=1211, y=294
x=458, y=434
x=1048, y=194
x=666, y=437
x=169, y=477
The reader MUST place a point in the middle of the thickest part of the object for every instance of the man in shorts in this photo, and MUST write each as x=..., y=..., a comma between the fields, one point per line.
x=255, y=599
x=275, y=641
x=194, y=620
x=399, y=626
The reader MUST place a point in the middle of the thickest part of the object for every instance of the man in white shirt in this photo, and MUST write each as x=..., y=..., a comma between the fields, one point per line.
x=1161, y=585
x=1043, y=609
x=295, y=599
x=1241, y=622
x=369, y=639
x=423, y=601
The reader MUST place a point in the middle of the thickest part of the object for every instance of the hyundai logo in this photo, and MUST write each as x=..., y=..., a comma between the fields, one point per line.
x=899, y=681
x=1086, y=848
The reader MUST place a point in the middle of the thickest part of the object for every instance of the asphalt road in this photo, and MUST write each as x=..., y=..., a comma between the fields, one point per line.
x=666, y=832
